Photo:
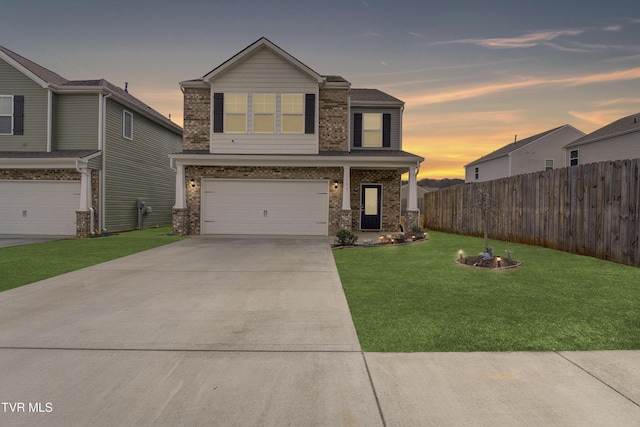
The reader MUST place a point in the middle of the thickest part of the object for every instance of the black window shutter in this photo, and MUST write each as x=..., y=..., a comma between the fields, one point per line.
x=386, y=130
x=218, y=112
x=357, y=130
x=310, y=113
x=18, y=115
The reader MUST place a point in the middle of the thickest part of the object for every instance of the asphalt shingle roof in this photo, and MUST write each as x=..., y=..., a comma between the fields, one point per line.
x=630, y=123
x=373, y=95
x=512, y=147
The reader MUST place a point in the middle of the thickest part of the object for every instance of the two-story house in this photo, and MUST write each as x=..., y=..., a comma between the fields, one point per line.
x=536, y=153
x=75, y=156
x=272, y=147
x=618, y=140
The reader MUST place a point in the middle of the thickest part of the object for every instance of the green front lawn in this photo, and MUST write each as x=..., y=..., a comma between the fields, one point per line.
x=20, y=265
x=416, y=298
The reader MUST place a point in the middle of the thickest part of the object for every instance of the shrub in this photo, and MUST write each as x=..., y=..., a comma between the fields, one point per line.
x=345, y=238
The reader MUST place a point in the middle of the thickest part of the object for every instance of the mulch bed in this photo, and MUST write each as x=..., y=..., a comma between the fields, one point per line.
x=477, y=261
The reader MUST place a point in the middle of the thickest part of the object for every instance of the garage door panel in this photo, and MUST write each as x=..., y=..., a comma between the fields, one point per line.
x=39, y=207
x=265, y=207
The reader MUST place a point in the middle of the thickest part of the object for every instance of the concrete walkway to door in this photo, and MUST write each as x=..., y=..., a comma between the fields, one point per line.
x=206, y=331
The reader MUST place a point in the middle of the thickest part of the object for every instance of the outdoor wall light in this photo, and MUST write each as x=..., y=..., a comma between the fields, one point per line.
x=192, y=182
x=335, y=184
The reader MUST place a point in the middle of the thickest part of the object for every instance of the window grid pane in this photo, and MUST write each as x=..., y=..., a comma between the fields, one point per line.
x=264, y=103
x=5, y=125
x=292, y=103
x=264, y=123
x=292, y=123
x=6, y=105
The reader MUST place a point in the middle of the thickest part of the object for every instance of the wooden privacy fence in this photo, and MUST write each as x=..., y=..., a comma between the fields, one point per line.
x=588, y=209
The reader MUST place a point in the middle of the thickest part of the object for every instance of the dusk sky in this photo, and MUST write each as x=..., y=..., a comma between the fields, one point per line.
x=473, y=74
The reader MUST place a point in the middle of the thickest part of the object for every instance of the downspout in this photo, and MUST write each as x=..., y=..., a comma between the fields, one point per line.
x=49, y=119
x=102, y=146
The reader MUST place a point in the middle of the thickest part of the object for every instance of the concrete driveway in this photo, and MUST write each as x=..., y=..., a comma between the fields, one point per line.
x=257, y=331
x=206, y=331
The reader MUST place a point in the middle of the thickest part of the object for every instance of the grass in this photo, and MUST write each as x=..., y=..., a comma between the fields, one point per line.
x=25, y=264
x=415, y=298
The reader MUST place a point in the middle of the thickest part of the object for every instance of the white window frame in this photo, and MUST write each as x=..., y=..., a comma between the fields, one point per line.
x=264, y=113
x=227, y=113
x=546, y=164
x=285, y=113
x=371, y=130
x=572, y=157
x=8, y=115
x=126, y=113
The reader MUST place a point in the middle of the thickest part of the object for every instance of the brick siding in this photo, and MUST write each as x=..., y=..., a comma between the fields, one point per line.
x=333, y=122
x=197, y=112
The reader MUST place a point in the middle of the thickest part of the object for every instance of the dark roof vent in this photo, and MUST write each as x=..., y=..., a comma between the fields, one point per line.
x=635, y=120
x=126, y=87
x=515, y=139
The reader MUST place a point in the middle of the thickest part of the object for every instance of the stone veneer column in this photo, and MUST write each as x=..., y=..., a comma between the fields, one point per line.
x=83, y=224
x=180, y=221
x=411, y=220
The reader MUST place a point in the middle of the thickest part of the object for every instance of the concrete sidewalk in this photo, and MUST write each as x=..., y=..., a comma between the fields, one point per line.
x=256, y=331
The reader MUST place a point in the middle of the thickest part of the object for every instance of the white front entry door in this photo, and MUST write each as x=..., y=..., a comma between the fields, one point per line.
x=285, y=207
x=39, y=207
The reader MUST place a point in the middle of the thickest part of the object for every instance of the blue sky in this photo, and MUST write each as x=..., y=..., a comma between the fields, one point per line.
x=472, y=74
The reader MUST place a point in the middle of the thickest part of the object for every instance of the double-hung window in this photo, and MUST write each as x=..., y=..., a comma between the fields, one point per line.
x=372, y=130
x=264, y=113
x=235, y=112
x=573, y=158
x=6, y=115
x=292, y=113
x=127, y=125
x=548, y=164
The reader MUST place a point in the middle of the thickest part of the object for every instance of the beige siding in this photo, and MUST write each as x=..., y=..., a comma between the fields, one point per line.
x=77, y=122
x=137, y=168
x=618, y=148
x=265, y=72
x=13, y=82
x=491, y=169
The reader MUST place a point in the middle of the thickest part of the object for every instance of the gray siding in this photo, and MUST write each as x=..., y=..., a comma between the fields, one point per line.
x=488, y=170
x=265, y=72
x=76, y=121
x=137, y=168
x=13, y=82
x=396, y=125
x=618, y=148
x=532, y=157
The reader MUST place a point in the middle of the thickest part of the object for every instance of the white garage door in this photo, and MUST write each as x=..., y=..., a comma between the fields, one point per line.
x=285, y=207
x=39, y=207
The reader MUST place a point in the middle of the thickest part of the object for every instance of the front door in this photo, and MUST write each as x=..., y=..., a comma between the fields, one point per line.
x=370, y=206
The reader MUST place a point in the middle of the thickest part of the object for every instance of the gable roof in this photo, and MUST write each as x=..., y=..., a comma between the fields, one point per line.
x=263, y=42
x=47, y=78
x=504, y=151
x=619, y=127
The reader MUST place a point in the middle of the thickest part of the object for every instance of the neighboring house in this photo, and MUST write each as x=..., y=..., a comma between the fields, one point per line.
x=272, y=147
x=616, y=141
x=537, y=153
x=76, y=155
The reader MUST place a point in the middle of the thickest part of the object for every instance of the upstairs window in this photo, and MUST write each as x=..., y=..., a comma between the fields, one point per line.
x=127, y=125
x=264, y=113
x=292, y=113
x=6, y=115
x=372, y=130
x=477, y=173
x=573, y=157
x=548, y=164
x=235, y=112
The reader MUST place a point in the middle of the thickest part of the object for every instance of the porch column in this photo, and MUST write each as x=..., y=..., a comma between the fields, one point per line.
x=412, y=199
x=344, y=222
x=85, y=189
x=180, y=196
x=412, y=215
x=346, y=188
